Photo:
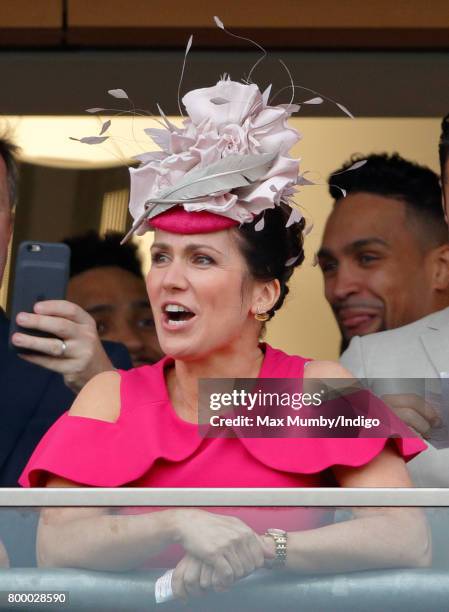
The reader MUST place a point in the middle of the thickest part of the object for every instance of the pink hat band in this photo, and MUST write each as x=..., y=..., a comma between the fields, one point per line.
x=178, y=221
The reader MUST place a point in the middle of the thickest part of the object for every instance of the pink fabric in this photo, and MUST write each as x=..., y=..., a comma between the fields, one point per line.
x=150, y=446
x=178, y=221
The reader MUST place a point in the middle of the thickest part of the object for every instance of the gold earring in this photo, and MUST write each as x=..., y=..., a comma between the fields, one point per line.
x=262, y=316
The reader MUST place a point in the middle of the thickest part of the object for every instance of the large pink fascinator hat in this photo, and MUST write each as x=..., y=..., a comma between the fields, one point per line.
x=226, y=165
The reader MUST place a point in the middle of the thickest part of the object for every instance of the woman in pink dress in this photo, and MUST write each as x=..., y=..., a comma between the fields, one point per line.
x=228, y=236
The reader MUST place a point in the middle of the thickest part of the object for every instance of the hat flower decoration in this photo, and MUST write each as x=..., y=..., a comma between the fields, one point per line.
x=230, y=157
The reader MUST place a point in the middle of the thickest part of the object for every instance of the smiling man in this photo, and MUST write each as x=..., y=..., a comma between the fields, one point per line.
x=385, y=256
x=385, y=252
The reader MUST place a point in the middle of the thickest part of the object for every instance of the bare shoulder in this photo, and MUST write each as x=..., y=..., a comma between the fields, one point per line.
x=326, y=369
x=100, y=398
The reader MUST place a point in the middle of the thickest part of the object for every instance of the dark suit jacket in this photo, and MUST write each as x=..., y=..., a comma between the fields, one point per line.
x=31, y=399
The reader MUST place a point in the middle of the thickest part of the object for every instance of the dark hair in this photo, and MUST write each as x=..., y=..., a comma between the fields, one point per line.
x=443, y=147
x=8, y=150
x=91, y=251
x=395, y=177
x=274, y=251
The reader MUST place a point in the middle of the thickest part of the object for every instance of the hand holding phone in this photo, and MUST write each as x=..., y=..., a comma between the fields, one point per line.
x=55, y=334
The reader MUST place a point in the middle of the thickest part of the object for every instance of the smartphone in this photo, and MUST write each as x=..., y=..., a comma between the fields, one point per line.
x=42, y=273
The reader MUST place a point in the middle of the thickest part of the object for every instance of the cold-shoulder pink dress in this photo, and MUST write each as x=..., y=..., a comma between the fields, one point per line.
x=151, y=446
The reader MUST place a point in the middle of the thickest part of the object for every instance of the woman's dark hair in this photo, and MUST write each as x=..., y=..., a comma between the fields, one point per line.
x=274, y=251
x=443, y=148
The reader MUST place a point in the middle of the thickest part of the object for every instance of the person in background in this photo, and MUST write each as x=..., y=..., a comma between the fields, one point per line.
x=106, y=281
x=385, y=251
x=419, y=350
x=33, y=397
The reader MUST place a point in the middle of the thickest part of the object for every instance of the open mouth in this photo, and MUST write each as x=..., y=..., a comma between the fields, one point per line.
x=176, y=315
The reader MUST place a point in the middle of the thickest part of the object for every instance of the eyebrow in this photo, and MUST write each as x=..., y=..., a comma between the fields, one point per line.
x=100, y=308
x=188, y=248
x=107, y=308
x=354, y=246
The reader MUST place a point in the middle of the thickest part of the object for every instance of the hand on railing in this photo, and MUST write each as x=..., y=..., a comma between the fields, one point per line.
x=219, y=551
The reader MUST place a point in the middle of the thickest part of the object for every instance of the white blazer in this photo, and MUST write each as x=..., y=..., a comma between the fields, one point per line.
x=419, y=350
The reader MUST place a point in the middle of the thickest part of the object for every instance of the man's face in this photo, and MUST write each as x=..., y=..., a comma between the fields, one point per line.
x=376, y=274
x=118, y=301
x=5, y=217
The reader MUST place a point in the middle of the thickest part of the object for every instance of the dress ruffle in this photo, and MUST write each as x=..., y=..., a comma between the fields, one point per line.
x=103, y=454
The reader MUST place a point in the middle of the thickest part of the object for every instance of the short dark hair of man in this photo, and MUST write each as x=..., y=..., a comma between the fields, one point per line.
x=443, y=148
x=8, y=151
x=91, y=251
x=392, y=176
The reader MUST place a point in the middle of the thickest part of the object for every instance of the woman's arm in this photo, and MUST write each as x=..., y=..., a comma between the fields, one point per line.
x=4, y=560
x=94, y=538
x=375, y=538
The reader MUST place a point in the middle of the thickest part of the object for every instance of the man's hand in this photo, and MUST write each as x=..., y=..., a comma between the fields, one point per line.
x=76, y=352
x=414, y=411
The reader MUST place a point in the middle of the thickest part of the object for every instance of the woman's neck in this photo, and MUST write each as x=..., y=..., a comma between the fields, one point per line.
x=182, y=380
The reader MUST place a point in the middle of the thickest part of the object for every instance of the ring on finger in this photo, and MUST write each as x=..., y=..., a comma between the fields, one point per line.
x=63, y=349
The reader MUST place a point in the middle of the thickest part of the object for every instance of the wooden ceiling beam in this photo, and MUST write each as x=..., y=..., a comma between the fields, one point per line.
x=295, y=24
x=31, y=23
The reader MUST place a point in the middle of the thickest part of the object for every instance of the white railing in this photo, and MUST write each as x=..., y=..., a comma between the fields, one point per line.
x=318, y=497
